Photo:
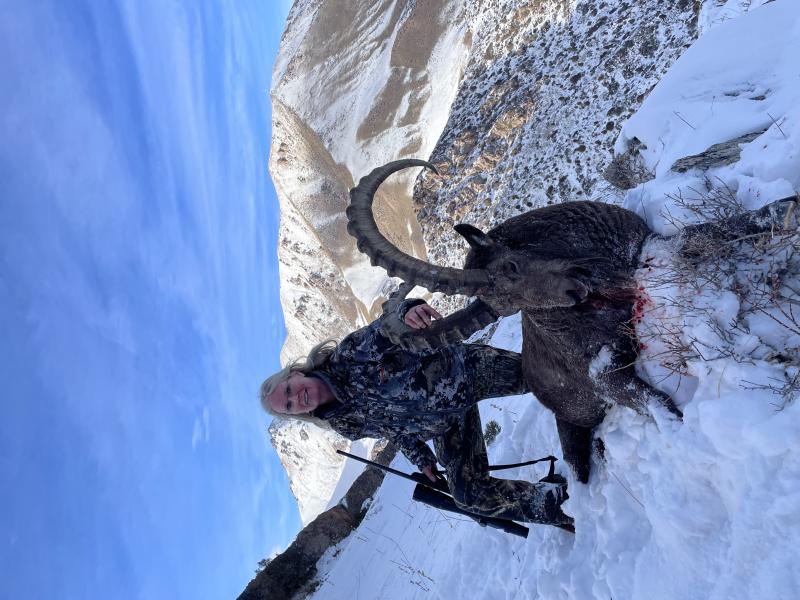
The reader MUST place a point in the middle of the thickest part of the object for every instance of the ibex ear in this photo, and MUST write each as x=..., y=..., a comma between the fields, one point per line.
x=475, y=237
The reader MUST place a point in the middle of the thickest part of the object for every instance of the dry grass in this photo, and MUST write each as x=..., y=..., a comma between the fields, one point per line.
x=762, y=270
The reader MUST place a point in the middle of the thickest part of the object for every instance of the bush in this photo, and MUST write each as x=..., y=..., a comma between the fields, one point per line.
x=491, y=431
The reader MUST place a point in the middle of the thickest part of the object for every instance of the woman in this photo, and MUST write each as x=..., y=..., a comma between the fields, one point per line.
x=365, y=386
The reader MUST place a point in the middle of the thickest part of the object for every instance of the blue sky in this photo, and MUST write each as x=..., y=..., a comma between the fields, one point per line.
x=138, y=298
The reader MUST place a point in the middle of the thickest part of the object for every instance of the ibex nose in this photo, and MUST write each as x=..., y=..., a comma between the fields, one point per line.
x=579, y=292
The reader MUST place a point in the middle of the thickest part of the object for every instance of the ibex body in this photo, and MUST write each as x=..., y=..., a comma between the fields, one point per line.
x=569, y=269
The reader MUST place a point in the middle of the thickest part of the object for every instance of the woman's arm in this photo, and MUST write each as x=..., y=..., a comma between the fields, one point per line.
x=413, y=448
x=372, y=342
x=414, y=313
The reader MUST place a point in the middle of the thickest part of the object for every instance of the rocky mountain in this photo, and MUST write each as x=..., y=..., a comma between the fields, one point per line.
x=518, y=103
x=544, y=95
x=356, y=84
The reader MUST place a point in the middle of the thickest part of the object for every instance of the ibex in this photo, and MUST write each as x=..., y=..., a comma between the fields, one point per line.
x=569, y=269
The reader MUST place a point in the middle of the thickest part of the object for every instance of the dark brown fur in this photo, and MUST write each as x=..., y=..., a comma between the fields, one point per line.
x=560, y=343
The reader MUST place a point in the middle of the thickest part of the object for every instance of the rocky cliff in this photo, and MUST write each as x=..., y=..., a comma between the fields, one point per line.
x=546, y=89
x=293, y=573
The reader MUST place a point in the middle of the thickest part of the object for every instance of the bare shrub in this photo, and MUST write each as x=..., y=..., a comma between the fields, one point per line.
x=627, y=170
x=762, y=271
x=491, y=431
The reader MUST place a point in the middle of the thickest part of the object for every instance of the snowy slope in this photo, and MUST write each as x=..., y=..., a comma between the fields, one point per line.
x=706, y=508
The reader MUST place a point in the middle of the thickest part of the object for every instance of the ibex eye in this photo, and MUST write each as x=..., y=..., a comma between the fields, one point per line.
x=511, y=268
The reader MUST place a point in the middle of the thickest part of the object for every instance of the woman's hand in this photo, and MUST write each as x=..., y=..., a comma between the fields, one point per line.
x=430, y=471
x=420, y=316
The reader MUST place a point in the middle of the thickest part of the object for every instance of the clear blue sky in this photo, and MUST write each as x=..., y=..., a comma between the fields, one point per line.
x=138, y=298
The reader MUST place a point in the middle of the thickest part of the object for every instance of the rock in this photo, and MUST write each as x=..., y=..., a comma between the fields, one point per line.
x=292, y=574
x=718, y=155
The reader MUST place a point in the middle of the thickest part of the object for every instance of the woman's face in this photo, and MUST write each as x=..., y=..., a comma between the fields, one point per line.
x=299, y=394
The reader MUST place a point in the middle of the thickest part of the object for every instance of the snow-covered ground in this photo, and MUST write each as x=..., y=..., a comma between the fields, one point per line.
x=705, y=508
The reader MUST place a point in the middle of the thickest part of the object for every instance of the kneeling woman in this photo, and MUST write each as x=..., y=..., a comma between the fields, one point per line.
x=366, y=386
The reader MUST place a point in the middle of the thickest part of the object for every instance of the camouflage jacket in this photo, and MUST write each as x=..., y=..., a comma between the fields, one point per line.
x=384, y=391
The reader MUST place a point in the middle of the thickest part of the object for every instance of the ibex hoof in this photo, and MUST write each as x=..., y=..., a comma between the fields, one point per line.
x=786, y=213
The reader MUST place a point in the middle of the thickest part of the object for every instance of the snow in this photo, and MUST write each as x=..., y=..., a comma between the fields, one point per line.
x=601, y=362
x=351, y=469
x=721, y=88
x=706, y=508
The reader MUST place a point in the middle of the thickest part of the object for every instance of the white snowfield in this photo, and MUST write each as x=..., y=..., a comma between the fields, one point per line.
x=707, y=508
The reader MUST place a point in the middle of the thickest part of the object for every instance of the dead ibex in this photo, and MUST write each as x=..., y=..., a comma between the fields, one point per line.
x=568, y=268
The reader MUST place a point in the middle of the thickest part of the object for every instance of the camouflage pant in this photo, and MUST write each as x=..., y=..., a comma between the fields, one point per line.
x=462, y=451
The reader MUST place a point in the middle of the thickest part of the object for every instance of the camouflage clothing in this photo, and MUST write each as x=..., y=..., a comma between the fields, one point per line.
x=462, y=452
x=383, y=391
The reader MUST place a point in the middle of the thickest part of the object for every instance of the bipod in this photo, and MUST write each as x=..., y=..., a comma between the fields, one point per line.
x=550, y=475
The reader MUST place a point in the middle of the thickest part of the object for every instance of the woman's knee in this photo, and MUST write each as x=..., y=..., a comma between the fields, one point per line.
x=465, y=495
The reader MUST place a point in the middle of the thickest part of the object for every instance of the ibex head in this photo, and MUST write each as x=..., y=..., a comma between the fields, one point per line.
x=507, y=281
x=519, y=281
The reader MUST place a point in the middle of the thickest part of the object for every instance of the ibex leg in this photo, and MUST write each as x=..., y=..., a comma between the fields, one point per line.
x=576, y=446
x=780, y=215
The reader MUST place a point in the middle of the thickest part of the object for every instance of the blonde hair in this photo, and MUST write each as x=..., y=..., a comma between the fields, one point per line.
x=316, y=357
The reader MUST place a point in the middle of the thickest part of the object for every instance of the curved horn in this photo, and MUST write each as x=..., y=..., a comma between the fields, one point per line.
x=361, y=225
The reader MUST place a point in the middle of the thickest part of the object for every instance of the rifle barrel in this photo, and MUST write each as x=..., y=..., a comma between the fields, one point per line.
x=440, y=485
x=374, y=464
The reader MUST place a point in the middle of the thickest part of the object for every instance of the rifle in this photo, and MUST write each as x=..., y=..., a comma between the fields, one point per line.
x=437, y=495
